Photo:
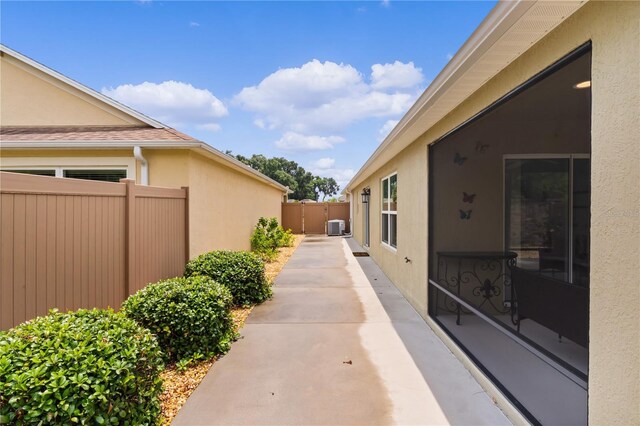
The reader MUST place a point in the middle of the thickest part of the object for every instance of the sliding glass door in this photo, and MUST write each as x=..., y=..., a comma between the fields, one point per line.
x=547, y=215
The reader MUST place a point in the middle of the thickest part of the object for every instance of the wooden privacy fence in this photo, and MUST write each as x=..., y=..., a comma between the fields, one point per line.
x=70, y=243
x=311, y=218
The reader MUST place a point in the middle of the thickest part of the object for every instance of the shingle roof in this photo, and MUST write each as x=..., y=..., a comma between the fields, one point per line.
x=98, y=133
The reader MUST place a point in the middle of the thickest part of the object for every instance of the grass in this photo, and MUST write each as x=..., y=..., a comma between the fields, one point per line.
x=178, y=385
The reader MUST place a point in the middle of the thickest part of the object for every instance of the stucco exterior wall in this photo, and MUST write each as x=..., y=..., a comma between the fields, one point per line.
x=29, y=97
x=614, y=364
x=167, y=167
x=226, y=205
x=411, y=278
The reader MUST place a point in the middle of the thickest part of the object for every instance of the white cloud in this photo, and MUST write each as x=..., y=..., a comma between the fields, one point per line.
x=341, y=176
x=324, y=163
x=313, y=84
x=194, y=24
x=321, y=98
x=387, y=128
x=212, y=127
x=292, y=141
x=449, y=56
x=172, y=102
x=385, y=3
x=395, y=76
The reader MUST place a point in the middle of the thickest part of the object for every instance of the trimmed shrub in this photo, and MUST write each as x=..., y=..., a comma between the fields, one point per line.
x=85, y=367
x=240, y=271
x=190, y=317
x=286, y=239
x=268, y=236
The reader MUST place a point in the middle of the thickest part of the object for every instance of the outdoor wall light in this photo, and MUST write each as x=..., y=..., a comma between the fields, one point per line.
x=582, y=85
x=365, y=195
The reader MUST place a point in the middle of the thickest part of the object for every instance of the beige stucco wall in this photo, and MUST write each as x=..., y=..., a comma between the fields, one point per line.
x=167, y=167
x=224, y=204
x=411, y=277
x=29, y=97
x=614, y=364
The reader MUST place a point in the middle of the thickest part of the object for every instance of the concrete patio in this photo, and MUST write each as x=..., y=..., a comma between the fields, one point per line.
x=337, y=344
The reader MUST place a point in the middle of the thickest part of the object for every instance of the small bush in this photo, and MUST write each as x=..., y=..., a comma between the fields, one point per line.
x=240, y=271
x=86, y=367
x=190, y=316
x=268, y=236
x=286, y=239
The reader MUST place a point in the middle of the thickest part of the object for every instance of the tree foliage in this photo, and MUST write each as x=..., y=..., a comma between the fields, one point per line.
x=289, y=173
x=326, y=186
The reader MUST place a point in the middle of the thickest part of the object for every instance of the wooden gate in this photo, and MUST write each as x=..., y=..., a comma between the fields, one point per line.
x=315, y=218
x=311, y=218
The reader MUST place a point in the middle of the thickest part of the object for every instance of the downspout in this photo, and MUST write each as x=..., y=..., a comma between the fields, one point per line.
x=144, y=166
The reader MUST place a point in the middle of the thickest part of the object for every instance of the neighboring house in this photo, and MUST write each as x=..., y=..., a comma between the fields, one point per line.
x=505, y=206
x=55, y=126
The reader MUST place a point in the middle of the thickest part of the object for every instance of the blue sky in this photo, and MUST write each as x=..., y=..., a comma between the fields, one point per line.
x=320, y=83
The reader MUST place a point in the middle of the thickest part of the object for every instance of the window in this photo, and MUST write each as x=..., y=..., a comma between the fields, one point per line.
x=103, y=175
x=390, y=210
x=109, y=169
x=38, y=172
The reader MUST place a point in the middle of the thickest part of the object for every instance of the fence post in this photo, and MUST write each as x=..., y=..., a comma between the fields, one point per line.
x=326, y=218
x=130, y=217
x=186, y=223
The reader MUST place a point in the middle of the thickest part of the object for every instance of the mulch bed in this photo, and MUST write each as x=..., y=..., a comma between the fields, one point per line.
x=177, y=385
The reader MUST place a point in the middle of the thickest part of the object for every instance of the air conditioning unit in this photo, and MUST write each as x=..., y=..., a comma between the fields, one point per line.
x=335, y=227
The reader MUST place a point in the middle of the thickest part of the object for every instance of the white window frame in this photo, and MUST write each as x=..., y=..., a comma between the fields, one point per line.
x=389, y=213
x=60, y=164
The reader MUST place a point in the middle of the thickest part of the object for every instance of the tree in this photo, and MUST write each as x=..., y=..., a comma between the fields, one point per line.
x=289, y=173
x=327, y=186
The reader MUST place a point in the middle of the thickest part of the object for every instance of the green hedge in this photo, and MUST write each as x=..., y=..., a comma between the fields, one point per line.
x=85, y=367
x=190, y=316
x=241, y=272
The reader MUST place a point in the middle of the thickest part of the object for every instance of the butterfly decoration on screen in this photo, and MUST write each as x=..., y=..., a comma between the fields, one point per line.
x=481, y=147
x=465, y=214
x=468, y=198
x=459, y=159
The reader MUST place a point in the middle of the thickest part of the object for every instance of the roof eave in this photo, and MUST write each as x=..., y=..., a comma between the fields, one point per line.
x=239, y=165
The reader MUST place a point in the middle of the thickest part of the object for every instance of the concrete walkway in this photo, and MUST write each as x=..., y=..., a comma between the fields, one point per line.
x=337, y=344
